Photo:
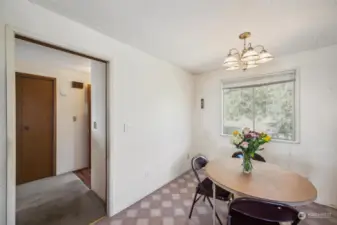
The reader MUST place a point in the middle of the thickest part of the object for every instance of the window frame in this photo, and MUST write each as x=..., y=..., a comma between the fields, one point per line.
x=296, y=107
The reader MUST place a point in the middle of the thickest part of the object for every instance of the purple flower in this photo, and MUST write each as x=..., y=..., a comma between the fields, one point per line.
x=253, y=135
x=248, y=136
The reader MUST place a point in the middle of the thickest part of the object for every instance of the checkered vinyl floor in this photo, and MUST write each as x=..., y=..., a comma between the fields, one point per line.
x=170, y=205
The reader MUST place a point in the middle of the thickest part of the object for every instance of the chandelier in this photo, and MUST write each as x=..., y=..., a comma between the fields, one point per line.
x=250, y=57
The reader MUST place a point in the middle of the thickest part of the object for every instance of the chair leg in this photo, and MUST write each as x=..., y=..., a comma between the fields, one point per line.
x=231, y=198
x=204, y=198
x=192, y=206
x=229, y=220
x=216, y=214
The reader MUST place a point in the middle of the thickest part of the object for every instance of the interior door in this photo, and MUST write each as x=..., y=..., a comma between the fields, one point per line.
x=89, y=121
x=35, y=119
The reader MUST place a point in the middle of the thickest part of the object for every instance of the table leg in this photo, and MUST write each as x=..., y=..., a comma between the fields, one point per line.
x=214, y=194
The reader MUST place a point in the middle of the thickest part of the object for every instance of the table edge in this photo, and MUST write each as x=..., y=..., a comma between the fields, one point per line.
x=297, y=203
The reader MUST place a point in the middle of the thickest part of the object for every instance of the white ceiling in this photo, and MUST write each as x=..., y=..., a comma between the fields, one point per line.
x=34, y=54
x=197, y=34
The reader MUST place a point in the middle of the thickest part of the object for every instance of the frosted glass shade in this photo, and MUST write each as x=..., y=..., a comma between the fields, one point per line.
x=234, y=67
x=251, y=66
x=231, y=61
x=265, y=57
x=250, y=55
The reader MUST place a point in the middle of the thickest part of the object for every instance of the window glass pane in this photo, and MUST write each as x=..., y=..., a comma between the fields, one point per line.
x=274, y=110
x=237, y=109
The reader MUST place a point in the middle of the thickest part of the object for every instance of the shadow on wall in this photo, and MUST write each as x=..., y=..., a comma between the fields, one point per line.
x=290, y=159
x=207, y=145
x=182, y=164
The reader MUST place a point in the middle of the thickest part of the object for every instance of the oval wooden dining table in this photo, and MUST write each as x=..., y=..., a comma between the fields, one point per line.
x=267, y=181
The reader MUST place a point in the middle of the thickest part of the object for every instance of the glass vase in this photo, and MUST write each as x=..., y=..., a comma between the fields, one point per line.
x=247, y=163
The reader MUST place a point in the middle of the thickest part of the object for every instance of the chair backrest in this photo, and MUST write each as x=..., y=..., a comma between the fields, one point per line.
x=197, y=163
x=237, y=155
x=261, y=210
x=256, y=157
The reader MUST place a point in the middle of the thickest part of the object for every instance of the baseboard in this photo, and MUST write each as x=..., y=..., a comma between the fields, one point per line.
x=96, y=221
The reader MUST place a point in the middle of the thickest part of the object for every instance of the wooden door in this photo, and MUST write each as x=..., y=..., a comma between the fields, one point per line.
x=89, y=122
x=35, y=129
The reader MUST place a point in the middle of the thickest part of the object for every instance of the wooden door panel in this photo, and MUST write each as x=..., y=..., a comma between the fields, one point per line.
x=89, y=121
x=35, y=150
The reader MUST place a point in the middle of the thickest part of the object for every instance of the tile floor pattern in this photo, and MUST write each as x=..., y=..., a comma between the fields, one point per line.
x=170, y=205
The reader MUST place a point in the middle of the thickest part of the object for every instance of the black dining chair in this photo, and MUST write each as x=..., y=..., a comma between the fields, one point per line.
x=251, y=211
x=205, y=187
x=256, y=157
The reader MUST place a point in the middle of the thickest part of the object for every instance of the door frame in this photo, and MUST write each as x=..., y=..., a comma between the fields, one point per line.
x=53, y=80
x=10, y=35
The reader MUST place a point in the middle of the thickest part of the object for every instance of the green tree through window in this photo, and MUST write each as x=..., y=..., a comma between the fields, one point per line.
x=268, y=107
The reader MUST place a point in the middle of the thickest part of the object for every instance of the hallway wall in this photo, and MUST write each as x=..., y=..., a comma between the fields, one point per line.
x=72, y=136
x=3, y=135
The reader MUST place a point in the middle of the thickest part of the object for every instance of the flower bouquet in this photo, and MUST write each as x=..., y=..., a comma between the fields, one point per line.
x=249, y=142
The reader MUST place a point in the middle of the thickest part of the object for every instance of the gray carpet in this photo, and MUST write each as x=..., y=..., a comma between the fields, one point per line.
x=57, y=200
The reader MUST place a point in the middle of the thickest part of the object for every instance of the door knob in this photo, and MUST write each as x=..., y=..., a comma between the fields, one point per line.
x=26, y=127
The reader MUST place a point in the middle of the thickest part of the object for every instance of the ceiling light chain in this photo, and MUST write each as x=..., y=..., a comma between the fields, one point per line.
x=248, y=58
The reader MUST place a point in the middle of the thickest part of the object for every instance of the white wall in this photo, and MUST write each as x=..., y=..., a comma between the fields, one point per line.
x=151, y=95
x=98, y=132
x=3, y=154
x=72, y=137
x=315, y=157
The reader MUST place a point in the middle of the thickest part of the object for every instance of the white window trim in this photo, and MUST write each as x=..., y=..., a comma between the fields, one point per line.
x=296, y=99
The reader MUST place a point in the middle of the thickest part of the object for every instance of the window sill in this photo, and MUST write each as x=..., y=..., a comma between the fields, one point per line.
x=272, y=141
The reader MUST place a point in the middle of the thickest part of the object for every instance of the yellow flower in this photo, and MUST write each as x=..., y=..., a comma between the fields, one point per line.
x=235, y=133
x=267, y=138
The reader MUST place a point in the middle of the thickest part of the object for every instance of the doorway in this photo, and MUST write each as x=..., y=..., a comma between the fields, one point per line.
x=35, y=127
x=99, y=131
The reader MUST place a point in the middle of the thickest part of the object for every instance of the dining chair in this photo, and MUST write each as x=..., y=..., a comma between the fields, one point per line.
x=256, y=157
x=205, y=187
x=260, y=212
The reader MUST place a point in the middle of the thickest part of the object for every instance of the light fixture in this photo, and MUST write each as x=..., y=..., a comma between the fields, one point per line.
x=234, y=67
x=248, y=57
x=264, y=57
x=231, y=60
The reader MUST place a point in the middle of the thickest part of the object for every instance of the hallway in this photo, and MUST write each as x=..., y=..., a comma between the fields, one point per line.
x=63, y=199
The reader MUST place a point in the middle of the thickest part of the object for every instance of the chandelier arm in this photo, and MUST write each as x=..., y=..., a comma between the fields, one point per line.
x=259, y=46
x=234, y=49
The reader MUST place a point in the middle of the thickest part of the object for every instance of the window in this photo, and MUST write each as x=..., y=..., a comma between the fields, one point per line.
x=263, y=104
